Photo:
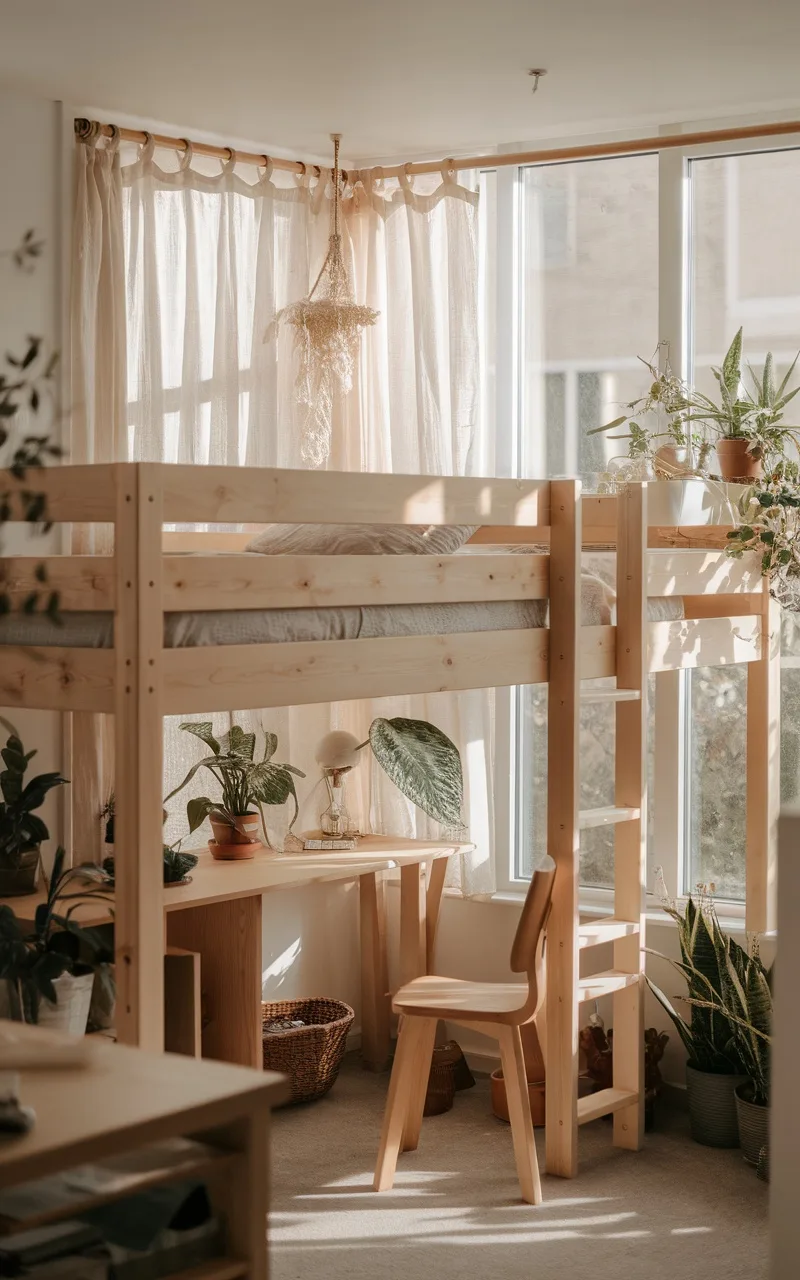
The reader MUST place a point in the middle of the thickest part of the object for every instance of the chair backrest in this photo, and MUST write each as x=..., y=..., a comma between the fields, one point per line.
x=528, y=945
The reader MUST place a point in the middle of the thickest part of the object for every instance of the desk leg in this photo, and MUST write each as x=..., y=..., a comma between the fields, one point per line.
x=433, y=902
x=413, y=931
x=228, y=937
x=374, y=973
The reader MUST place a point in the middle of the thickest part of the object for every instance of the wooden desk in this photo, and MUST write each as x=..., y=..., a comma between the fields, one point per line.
x=219, y=916
x=124, y=1099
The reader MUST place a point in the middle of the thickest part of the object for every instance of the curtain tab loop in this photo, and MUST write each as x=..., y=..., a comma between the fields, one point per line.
x=448, y=170
x=404, y=176
x=187, y=155
x=228, y=165
x=268, y=167
x=148, y=147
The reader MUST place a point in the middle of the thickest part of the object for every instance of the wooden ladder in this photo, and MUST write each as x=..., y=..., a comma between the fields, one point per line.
x=567, y=991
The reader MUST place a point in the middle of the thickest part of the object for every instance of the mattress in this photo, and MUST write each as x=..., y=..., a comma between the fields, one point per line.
x=280, y=626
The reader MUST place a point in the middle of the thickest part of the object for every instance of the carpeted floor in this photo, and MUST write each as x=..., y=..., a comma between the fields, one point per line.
x=675, y=1211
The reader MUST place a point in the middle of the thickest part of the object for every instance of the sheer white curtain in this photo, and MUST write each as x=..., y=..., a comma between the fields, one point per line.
x=180, y=264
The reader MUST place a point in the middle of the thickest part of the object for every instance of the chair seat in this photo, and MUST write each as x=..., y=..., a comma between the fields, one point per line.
x=451, y=997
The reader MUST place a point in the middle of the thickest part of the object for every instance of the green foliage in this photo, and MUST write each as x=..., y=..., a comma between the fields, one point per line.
x=713, y=965
x=20, y=826
x=27, y=382
x=177, y=865
x=423, y=763
x=244, y=781
x=770, y=526
x=30, y=961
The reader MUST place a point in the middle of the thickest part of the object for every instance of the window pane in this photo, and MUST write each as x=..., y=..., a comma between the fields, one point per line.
x=589, y=307
x=744, y=273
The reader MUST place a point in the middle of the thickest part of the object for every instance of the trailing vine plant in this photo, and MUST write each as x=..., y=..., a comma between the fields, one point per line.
x=26, y=392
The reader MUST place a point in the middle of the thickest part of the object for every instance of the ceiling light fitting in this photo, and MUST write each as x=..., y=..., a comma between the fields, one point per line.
x=537, y=73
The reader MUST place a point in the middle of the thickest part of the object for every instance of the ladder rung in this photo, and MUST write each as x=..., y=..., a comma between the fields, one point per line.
x=606, y=817
x=610, y=695
x=604, y=1102
x=596, y=932
x=604, y=984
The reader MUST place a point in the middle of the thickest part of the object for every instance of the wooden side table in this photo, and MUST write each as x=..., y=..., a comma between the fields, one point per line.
x=125, y=1100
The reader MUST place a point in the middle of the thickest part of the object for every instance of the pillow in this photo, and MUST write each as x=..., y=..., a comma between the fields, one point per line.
x=360, y=539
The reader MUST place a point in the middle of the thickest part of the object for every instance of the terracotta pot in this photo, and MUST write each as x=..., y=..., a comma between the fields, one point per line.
x=232, y=843
x=753, y=1124
x=735, y=463
x=500, y=1101
x=16, y=881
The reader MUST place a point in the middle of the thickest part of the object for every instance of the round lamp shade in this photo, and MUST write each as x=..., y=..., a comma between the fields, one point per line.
x=337, y=750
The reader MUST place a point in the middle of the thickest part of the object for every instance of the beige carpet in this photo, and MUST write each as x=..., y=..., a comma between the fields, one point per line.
x=675, y=1211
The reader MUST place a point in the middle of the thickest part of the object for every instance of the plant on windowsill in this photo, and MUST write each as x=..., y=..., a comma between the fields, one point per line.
x=177, y=865
x=50, y=970
x=22, y=831
x=711, y=963
x=422, y=762
x=770, y=514
x=747, y=425
x=246, y=785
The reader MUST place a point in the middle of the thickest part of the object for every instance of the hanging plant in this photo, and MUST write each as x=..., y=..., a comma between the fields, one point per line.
x=327, y=334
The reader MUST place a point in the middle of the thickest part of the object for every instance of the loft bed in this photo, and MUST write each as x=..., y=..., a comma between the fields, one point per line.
x=529, y=629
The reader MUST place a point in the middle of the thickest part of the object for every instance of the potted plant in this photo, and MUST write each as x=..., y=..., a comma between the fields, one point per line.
x=770, y=526
x=177, y=865
x=715, y=1066
x=246, y=784
x=50, y=970
x=422, y=762
x=746, y=1003
x=21, y=829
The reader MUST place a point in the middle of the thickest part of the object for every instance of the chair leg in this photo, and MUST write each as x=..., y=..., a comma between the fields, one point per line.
x=519, y=1111
x=422, y=1070
x=401, y=1087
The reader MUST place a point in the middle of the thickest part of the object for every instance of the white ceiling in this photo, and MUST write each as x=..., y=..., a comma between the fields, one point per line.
x=406, y=78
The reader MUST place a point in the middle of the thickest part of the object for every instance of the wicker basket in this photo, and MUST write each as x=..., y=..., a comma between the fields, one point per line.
x=311, y=1055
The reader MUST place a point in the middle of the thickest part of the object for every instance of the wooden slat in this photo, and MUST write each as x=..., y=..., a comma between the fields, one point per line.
x=722, y=606
x=701, y=572
x=510, y=535
x=609, y=696
x=599, y=517
x=703, y=642
x=763, y=776
x=630, y=790
x=272, y=495
x=276, y=675
x=686, y=536
x=82, y=582
x=74, y=493
x=603, y=1103
x=607, y=983
x=596, y=932
x=598, y=652
x=606, y=816
x=276, y=582
x=56, y=679
x=563, y=838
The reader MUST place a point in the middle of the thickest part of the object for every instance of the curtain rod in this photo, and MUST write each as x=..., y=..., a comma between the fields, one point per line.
x=86, y=130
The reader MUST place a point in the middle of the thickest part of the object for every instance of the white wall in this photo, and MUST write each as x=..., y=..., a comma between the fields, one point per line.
x=30, y=148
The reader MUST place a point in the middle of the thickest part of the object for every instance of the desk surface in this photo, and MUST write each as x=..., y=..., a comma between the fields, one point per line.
x=214, y=881
x=122, y=1098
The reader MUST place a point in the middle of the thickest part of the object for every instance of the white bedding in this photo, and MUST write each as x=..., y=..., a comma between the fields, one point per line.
x=278, y=626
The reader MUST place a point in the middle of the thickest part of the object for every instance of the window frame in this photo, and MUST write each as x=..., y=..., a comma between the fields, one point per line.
x=671, y=793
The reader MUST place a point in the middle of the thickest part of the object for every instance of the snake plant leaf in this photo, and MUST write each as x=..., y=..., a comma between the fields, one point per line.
x=732, y=366
x=238, y=743
x=423, y=763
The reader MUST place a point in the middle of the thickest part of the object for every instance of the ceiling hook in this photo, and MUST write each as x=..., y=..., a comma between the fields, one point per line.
x=537, y=73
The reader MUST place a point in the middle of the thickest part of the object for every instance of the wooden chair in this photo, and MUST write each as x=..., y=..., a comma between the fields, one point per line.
x=494, y=1008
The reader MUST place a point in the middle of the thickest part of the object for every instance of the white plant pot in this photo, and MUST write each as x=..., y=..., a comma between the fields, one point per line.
x=701, y=502
x=71, y=1011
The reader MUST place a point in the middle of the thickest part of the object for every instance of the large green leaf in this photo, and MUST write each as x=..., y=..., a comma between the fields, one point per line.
x=423, y=763
x=270, y=745
x=206, y=763
x=238, y=743
x=204, y=730
x=197, y=811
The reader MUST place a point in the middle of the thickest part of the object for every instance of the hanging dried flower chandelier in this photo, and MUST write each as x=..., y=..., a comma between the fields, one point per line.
x=327, y=335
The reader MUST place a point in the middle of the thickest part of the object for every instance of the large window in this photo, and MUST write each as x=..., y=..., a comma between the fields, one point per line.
x=590, y=265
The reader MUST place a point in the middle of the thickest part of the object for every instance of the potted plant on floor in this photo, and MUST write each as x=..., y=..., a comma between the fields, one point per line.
x=715, y=1066
x=22, y=831
x=49, y=970
x=246, y=784
x=747, y=1005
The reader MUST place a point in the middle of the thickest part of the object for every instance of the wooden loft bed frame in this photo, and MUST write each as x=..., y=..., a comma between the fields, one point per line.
x=729, y=618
